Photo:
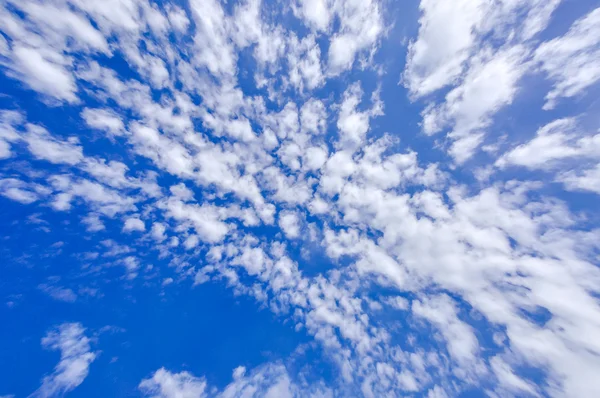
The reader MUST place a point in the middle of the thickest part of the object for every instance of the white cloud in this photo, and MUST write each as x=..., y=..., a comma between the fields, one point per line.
x=43, y=75
x=103, y=119
x=59, y=293
x=509, y=379
x=316, y=13
x=164, y=384
x=571, y=61
x=318, y=206
x=286, y=189
x=191, y=242
x=488, y=85
x=134, y=224
x=441, y=311
x=451, y=33
x=100, y=198
x=342, y=51
x=338, y=167
x=213, y=49
x=314, y=158
x=131, y=264
x=178, y=18
x=437, y=392
x=17, y=190
x=93, y=223
x=481, y=50
x=538, y=17
x=586, y=180
x=158, y=231
x=182, y=192
x=556, y=141
x=270, y=381
x=166, y=153
x=75, y=359
x=253, y=259
x=447, y=34
x=289, y=222
x=353, y=124
x=46, y=147
x=20, y=195
x=562, y=147
x=313, y=117
x=397, y=302
x=361, y=25
x=205, y=219
x=4, y=150
x=304, y=58
x=61, y=23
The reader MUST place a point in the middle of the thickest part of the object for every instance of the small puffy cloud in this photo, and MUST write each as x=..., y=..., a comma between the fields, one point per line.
x=164, y=384
x=289, y=222
x=313, y=117
x=315, y=157
x=93, y=223
x=158, y=231
x=191, y=242
x=182, y=192
x=352, y=123
x=134, y=224
x=131, y=264
x=17, y=190
x=46, y=147
x=103, y=119
x=318, y=206
x=315, y=13
x=205, y=219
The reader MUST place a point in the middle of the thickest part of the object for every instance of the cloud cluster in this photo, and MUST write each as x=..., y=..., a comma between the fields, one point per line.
x=482, y=51
x=270, y=380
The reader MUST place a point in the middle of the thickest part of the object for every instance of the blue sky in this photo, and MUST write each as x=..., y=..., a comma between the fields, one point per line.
x=315, y=198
